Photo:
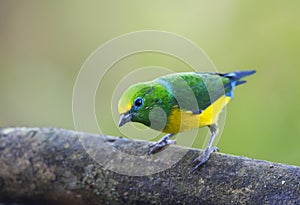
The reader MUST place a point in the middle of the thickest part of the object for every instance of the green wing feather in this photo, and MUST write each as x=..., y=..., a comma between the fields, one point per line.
x=194, y=91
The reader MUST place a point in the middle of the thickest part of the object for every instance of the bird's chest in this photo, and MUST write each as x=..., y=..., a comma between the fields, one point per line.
x=182, y=120
x=179, y=121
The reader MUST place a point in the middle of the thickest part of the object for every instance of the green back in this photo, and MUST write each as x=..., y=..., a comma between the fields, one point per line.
x=194, y=91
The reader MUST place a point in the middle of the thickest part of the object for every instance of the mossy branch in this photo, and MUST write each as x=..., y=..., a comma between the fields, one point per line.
x=42, y=165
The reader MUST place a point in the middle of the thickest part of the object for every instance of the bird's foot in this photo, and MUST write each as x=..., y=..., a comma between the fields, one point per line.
x=202, y=159
x=154, y=147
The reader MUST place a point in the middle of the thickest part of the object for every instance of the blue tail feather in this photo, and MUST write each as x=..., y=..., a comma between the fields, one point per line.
x=234, y=80
x=235, y=76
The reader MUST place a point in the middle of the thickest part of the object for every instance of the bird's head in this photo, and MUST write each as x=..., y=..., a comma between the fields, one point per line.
x=139, y=100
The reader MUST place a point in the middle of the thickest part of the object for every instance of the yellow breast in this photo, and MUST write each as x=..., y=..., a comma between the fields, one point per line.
x=180, y=120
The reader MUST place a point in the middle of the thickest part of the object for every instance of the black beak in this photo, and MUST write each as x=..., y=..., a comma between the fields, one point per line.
x=124, y=118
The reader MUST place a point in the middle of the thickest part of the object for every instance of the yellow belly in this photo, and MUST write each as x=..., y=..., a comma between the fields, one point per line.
x=179, y=120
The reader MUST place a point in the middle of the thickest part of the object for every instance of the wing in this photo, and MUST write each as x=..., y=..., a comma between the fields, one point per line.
x=195, y=91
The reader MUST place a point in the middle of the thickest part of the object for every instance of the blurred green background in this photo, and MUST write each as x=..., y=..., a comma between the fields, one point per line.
x=43, y=44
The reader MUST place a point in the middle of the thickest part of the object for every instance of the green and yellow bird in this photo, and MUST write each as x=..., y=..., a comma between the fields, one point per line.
x=179, y=102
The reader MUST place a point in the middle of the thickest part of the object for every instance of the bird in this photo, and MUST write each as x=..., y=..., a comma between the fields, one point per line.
x=179, y=102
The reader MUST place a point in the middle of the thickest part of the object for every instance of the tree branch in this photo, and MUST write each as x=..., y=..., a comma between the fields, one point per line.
x=53, y=166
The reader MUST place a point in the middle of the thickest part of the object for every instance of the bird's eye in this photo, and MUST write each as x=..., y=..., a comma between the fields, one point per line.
x=138, y=103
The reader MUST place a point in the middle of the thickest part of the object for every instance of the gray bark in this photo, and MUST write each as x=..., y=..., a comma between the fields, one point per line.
x=51, y=166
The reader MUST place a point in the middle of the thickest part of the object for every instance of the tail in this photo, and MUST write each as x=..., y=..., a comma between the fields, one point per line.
x=235, y=79
x=236, y=76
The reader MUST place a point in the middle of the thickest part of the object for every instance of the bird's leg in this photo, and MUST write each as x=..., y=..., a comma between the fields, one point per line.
x=161, y=143
x=209, y=149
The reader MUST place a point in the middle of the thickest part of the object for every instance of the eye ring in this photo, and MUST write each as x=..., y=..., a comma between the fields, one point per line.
x=138, y=102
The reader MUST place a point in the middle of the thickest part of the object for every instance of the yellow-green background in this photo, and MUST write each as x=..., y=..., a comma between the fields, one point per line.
x=44, y=43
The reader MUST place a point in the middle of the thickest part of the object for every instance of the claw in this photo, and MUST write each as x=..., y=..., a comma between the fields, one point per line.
x=197, y=159
x=204, y=157
x=159, y=145
x=152, y=144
